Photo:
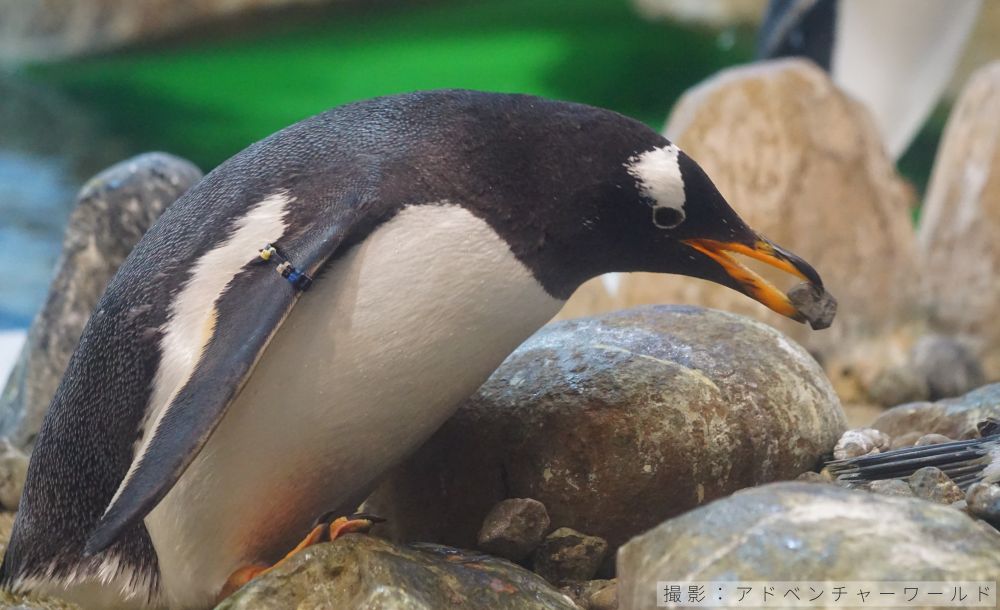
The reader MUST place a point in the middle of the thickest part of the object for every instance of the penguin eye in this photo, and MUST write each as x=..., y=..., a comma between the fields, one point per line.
x=667, y=218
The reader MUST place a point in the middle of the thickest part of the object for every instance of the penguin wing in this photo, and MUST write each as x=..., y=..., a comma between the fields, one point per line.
x=246, y=316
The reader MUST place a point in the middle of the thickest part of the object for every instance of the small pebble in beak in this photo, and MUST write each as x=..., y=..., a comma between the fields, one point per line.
x=816, y=304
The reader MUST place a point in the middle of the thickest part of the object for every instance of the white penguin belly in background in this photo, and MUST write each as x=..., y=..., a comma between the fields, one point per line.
x=369, y=363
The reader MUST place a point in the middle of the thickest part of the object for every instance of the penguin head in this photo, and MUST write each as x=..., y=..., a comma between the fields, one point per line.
x=658, y=211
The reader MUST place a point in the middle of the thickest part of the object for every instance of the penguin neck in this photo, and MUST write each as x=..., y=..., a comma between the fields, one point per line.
x=560, y=252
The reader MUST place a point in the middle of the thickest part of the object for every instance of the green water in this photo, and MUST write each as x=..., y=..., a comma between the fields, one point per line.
x=207, y=99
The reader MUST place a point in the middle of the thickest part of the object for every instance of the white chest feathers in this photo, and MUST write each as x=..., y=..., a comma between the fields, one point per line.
x=370, y=362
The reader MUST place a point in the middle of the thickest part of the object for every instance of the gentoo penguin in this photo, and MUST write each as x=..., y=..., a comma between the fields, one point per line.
x=313, y=309
x=895, y=56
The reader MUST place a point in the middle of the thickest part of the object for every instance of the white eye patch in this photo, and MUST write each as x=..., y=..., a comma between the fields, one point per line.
x=658, y=175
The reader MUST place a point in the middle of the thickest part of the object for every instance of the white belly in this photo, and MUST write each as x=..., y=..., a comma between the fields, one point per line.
x=369, y=363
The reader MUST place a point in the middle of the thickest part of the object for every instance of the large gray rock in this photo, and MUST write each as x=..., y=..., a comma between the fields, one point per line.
x=362, y=572
x=618, y=422
x=803, y=164
x=955, y=418
x=807, y=532
x=114, y=209
x=961, y=220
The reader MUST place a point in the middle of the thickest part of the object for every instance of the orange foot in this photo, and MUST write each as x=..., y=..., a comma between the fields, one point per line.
x=323, y=532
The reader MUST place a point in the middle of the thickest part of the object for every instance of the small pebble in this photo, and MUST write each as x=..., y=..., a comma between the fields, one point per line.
x=860, y=441
x=905, y=440
x=593, y=594
x=818, y=306
x=514, y=528
x=815, y=477
x=566, y=555
x=931, y=484
x=931, y=439
x=983, y=501
x=605, y=598
x=891, y=487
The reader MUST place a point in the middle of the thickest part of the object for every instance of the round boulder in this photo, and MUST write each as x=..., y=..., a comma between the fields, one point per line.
x=618, y=422
x=805, y=532
x=955, y=418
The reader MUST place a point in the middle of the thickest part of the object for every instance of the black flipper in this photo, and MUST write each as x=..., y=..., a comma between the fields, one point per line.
x=250, y=312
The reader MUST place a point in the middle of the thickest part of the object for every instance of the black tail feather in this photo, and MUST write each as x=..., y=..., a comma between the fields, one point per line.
x=963, y=461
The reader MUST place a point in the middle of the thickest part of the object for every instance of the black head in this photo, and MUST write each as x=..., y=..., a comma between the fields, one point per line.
x=678, y=222
x=602, y=193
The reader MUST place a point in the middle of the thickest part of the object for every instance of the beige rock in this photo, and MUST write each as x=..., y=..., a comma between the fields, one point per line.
x=891, y=487
x=860, y=441
x=714, y=13
x=804, y=165
x=45, y=30
x=961, y=221
x=931, y=439
x=907, y=439
x=814, y=477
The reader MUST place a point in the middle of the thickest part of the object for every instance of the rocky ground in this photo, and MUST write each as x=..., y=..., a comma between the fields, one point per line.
x=670, y=442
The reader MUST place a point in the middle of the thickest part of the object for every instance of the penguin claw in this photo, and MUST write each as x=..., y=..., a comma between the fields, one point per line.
x=326, y=528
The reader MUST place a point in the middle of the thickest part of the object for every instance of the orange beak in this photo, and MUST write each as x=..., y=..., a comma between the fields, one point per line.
x=752, y=284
